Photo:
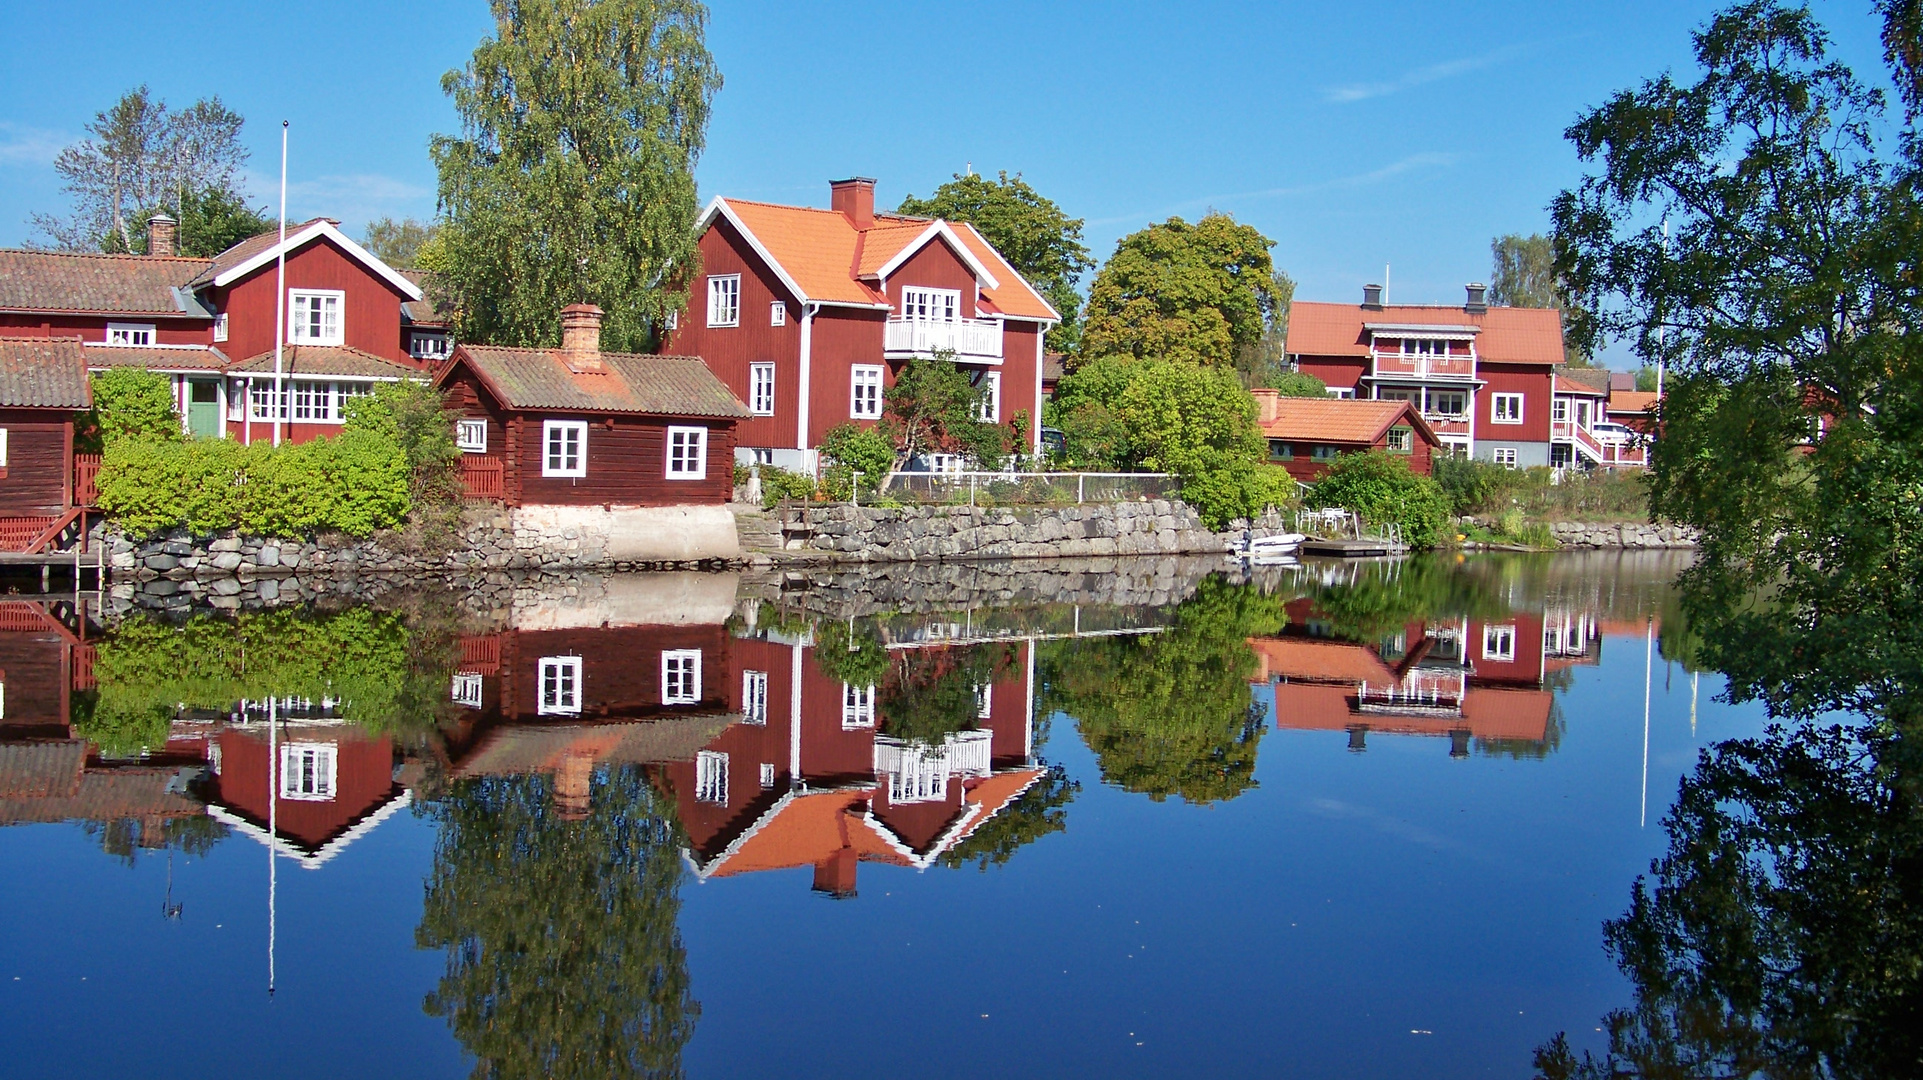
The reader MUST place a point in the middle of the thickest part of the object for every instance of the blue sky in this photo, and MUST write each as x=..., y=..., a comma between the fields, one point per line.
x=1355, y=136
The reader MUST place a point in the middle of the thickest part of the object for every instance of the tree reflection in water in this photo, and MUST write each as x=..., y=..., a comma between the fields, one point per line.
x=563, y=956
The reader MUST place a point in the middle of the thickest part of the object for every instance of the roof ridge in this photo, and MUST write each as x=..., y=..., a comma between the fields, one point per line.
x=116, y=255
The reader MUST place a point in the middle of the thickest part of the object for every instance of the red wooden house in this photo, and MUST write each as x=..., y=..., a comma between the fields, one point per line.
x=43, y=387
x=1306, y=435
x=575, y=426
x=809, y=314
x=334, y=781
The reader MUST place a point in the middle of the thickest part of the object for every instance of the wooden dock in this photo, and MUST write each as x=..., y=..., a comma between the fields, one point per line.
x=1345, y=548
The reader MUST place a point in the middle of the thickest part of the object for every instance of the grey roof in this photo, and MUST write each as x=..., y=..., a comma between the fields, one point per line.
x=155, y=357
x=544, y=379
x=306, y=360
x=422, y=312
x=1596, y=379
x=102, y=284
x=43, y=373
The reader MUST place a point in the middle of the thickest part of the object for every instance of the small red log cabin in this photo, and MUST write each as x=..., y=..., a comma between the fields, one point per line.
x=1306, y=435
x=43, y=385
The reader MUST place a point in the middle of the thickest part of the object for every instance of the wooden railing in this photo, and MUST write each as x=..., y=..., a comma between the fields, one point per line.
x=86, y=476
x=483, y=477
x=19, y=533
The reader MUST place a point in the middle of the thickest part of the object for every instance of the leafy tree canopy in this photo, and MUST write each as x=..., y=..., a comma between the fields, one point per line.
x=211, y=220
x=1300, y=384
x=398, y=243
x=1382, y=488
x=1202, y=294
x=128, y=403
x=1030, y=231
x=573, y=177
x=934, y=406
x=1524, y=275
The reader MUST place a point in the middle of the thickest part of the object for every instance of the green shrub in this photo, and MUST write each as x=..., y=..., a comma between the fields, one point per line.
x=1382, y=489
x=1474, y=486
x=1301, y=384
x=415, y=417
x=128, y=403
x=781, y=484
x=848, y=449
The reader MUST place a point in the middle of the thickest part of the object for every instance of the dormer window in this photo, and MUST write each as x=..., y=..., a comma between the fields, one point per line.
x=121, y=333
x=931, y=305
x=428, y=346
x=314, y=316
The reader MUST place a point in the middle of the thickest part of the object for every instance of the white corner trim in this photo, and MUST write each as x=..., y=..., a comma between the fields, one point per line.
x=942, y=229
x=719, y=205
x=307, y=236
x=326, y=851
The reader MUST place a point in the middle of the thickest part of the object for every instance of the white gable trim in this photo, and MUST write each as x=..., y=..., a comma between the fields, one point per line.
x=719, y=206
x=941, y=229
x=1055, y=317
x=307, y=236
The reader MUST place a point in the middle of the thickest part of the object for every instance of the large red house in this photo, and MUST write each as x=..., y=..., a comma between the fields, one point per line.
x=809, y=314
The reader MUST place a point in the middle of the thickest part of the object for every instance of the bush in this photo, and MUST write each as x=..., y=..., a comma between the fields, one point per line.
x=1474, y=486
x=1301, y=384
x=1382, y=489
x=128, y=403
x=848, y=449
x=779, y=484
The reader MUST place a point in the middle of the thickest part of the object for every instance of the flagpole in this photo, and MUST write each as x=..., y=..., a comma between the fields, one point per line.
x=273, y=830
x=280, y=289
x=1649, y=653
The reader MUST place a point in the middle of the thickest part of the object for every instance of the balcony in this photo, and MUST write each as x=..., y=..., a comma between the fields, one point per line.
x=973, y=341
x=1401, y=366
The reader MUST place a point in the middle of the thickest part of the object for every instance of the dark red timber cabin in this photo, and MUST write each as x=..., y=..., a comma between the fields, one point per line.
x=43, y=387
x=576, y=426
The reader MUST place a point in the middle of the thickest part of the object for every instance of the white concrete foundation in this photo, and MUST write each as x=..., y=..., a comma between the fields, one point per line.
x=596, y=534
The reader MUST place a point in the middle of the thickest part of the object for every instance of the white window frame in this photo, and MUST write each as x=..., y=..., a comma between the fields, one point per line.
x=311, y=402
x=865, y=383
x=930, y=305
x=711, y=777
x=549, y=430
x=331, y=331
x=1504, y=456
x=1499, y=643
x=684, y=464
x=1430, y=407
x=754, y=698
x=467, y=689
x=681, y=676
x=946, y=463
x=1559, y=410
x=1509, y=404
x=220, y=327
x=778, y=313
x=470, y=436
x=762, y=455
x=767, y=775
x=761, y=389
x=260, y=399
x=984, y=700
x=131, y=334
x=1342, y=393
x=857, y=706
x=724, y=300
x=991, y=406
x=309, y=771
x=3, y=448
x=558, y=690
x=674, y=320
x=442, y=345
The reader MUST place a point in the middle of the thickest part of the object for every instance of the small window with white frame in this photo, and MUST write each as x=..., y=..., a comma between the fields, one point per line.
x=564, y=448
x=762, y=455
x=124, y=333
x=314, y=316
x=674, y=320
x=778, y=314
x=261, y=398
x=984, y=700
x=1499, y=643
x=767, y=775
x=1447, y=404
x=1343, y=393
x=3, y=448
x=1505, y=408
x=1504, y=456
x=681, y=677
x=1559, y=410
x=467, y=689
x=560, y=686
x=429, y=346
x=470, y=436
x=724, y=300
x=857, y=706
x=931, y=305
x=761, y=389
x=711, y=777
x=307, y=772
x=687, y=453
x=864, y=391
x=754, y=697
x=220, y=327
x=990, y=411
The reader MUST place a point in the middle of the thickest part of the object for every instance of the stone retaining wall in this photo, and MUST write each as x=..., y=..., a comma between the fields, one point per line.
x=1577, y=534
x=916, y=533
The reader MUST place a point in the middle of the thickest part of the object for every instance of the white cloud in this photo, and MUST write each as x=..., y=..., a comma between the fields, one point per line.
x=29, y=146
x=352, y=198
x=1351, y=92
x=1411, y=163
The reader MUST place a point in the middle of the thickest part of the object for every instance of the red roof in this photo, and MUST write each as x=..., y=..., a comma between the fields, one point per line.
x=1504, y=335
x=1632, y=401
x=1335, y=420
x=98, y=284
x=43, y=373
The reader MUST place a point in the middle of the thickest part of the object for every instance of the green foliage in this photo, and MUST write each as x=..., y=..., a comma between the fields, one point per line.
x=398, y=243
x=209, y=221
x=1300, y=384
x=1381, y=488
x=414, y=416
x=930, y=693
x=1201, y=293
x=1040, y=811
x=847, y=449
x=1524, y=275
x=1646, y=379
x=564, y=958
x=933, y=407
x=573, y=177
x=354, y=483
x=850, y=654
x=128, y=403
x=779, y=484
x=1030, y=231
x=1473, y=486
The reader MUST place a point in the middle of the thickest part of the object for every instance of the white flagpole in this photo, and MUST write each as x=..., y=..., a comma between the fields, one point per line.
x=280, y=288
x=273, y=828
x=1649, y=654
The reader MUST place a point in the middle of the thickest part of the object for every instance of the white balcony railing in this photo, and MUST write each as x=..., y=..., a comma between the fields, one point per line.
x=974, y=340
x=1403, y=365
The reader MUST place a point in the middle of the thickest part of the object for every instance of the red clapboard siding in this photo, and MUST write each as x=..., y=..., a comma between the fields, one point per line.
x=35, y=481
x=627, y=465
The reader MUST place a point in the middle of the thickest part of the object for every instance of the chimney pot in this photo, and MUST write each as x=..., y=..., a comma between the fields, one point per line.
x=581, y=336
x=1478, y=298
x=161, y=230
x=855, y=199
x=1372, y=297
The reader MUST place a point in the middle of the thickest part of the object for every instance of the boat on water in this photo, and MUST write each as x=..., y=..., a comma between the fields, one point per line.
x=1268, y=547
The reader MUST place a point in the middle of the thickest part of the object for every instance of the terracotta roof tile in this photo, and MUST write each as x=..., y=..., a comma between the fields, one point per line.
x=103, y=284
x=1322, y=661
x=156, y=357
x=249, y=248
x=43, y=373
x=41, y=770
x=1336, y=420
x=307, y=360
x=1632, y=401
x=109, y=794
x=422, y=312
x=1507, y=335
x=627, y=383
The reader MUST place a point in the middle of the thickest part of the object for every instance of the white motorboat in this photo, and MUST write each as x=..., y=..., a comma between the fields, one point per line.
x=1270, y=546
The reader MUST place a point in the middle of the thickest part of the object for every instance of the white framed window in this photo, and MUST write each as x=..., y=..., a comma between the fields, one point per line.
x=314, y=316
x=260, y=400
x=428, y=346
x=1401, y=440
x=724, y=300
x=220, y=327
x=564, y=448
x=1559, y=410
x=857, y=706
x=3, y=448
x=1324, y=452
x=1385, y=393
x=936, y=305
x=307, y=772
x=681, y=676
x=991, y=407
x=761, y=389
x=1505, y=408
x=1499, y=643
x=1452, y=404
x=466, y=690
x=687, y=453
x=560, y=686
x=762, y=455
x=1344, y=393
x=945, y=463
x=754, y=697
x=984, y=700
x=711, y=777
x=470, y=436
x=1504, y=456
x=767, y=775
x=127, y=333
x=778, y=314
x=1424, y=347
x=864, y=392
x=674, y=320
x=313, y=402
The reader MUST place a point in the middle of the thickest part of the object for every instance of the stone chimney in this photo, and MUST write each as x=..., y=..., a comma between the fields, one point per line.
x=855, y=199
x=1372, y=297
x=581, y=336
x=1265, y=403
x=160, y=234
x=1478, y=298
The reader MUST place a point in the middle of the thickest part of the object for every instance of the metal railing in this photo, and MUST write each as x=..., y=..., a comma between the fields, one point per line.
x=1038, y=488
x=966, y=338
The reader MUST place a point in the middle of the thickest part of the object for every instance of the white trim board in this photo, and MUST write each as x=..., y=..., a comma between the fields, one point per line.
x=306, y=236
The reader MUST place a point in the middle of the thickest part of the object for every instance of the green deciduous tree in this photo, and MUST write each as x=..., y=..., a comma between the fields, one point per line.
x=1040, y=811
x=933, y=407
x=1201, y=293
x=573, y=177
x=1382, y=488
x=1524, y=275
x=1300, y=384
x=211, y=220
x=128, y=403
x=1030, y=231
x=398, y=243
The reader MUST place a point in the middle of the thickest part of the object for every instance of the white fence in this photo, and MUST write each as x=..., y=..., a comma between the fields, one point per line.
x=1020, y=487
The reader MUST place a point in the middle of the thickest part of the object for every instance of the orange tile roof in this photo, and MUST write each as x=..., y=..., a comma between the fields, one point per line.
x=1337, y=661
x=805, y=830
x=1506, y=335
x=1337, y=420
x=1631, y=401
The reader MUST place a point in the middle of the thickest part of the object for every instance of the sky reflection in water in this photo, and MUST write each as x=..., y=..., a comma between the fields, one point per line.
x=563, y=869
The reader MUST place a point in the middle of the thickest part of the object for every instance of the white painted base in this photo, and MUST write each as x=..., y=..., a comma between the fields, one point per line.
x=680, y=598
x=637, y=534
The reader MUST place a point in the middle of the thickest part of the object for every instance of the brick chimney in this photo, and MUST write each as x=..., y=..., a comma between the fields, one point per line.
x=835, y=875
x=855, y=199
x=1266, y=402
x=581, y=336
x=160, y=234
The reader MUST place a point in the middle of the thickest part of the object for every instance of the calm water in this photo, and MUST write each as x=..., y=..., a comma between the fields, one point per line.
x=1334, y=821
